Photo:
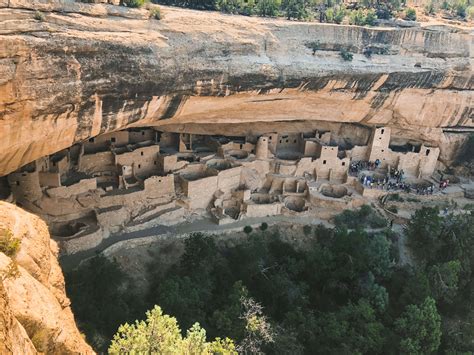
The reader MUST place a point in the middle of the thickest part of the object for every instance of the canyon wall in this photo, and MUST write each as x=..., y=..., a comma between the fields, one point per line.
x=87, y=69
x=35, y=316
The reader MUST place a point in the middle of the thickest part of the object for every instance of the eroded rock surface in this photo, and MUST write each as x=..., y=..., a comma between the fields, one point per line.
x=34, y=310
x=97, y=68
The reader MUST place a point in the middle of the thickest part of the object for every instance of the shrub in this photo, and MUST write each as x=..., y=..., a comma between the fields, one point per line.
x=392, y=209
x=307, y=229
x=395, y=197
x=156, y=13
x=248, y=229
x=9, y=245
x=314, y=46
x=264, y=226
x=410, y=14
x=370, y=17
x=346, y=55
x=445, y=5
x=364, y=217
x=470, y=12
x=430, y=8
x=268, y=8
x=11, y=272
x=357, y=17
x=460, y=7
x=134, y=3
x=38, y=16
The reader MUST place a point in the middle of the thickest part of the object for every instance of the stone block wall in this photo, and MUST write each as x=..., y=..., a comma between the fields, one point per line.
x=25, y=186
x=49, y=179
x=229, y=179
x=98, y=162
x=99, y=143
x=81, y=187
x=262, y=210
x=160, y=186
x=144, y=160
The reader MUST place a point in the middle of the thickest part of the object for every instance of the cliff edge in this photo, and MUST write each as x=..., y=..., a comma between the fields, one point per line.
x=35, y=316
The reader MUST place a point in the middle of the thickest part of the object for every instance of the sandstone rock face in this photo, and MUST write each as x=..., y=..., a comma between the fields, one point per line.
x=34, y=308
x=97, y=68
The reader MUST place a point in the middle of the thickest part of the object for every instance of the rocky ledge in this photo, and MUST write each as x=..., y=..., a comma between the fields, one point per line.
x=35, y=316
x=81, y=69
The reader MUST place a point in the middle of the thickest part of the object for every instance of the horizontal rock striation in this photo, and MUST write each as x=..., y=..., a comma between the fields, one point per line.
x=89, y=69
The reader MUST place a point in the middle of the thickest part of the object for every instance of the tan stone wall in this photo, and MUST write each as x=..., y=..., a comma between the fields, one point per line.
x=286, y=169
x=263, y=210
x=409, y=162
x=95, y=144
x=83, y=242
x=166, y=163
x=248, y=147
x=261, y=151
x=253, y=174
x=328, y=153
x=229, y=179
x=272, y=141
x=169, y=140
x=358, y=153
x=113, y=220
x=311, y=149
x=379, y=144
x=428, y=159
x=305, y=165
x=98, y=162
x=81, y=187
x=290, y=141
x=42, y=164
x=144, y=160
x=49, y=179
x=142, y=135
x=61, y=166
x=159, y=186
x=199, y=192
x=25, y=186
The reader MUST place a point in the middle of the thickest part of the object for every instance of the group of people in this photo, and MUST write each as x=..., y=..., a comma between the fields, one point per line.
x=443, y=184
x=384, y=183
x=393, y=181
x=388, y=185
x=357, y=166
x=397, y=174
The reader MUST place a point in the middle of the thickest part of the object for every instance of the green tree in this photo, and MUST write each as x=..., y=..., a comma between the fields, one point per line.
x=423, y=233
x=353, y=329
x=295, y=9
x=410, y=14
x=419, y=328
x=102, y=298
x=444, y=280
x=268, y=8
x=160, y=334
x=134, y=3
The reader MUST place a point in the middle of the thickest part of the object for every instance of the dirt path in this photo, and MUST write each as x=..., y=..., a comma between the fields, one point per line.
x=69, y=262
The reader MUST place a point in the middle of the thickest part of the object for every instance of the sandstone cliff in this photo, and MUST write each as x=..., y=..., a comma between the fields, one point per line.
x=34, y=310
x=88, y=69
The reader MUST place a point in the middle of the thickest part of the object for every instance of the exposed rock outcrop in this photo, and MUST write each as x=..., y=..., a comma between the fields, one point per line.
x=34, y=309
x=85, y=71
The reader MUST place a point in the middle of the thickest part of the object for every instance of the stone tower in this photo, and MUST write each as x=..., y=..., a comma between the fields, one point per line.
x=261, y=151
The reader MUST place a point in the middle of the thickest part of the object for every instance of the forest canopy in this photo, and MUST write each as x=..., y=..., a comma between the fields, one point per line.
x=345, y=292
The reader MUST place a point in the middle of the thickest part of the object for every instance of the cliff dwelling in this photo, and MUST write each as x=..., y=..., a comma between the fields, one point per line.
x=130, y=179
